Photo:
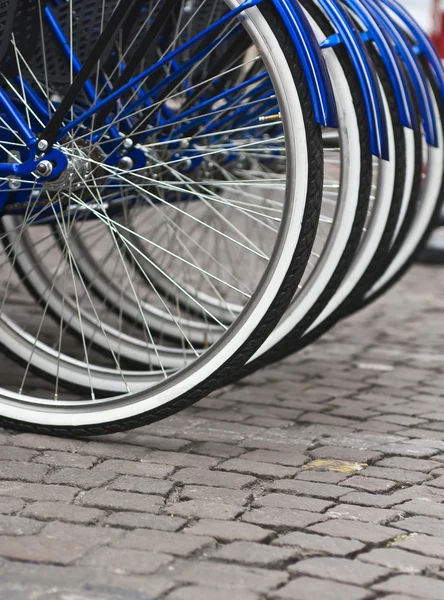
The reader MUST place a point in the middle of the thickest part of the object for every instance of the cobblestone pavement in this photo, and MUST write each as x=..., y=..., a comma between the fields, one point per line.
x=319, y=478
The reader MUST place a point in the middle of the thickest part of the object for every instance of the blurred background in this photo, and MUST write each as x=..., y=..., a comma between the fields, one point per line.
x=422, y=10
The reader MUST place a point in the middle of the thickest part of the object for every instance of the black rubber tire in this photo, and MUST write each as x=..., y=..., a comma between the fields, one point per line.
x=299, y=261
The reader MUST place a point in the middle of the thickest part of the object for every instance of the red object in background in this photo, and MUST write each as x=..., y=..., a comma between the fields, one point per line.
x=438, y=26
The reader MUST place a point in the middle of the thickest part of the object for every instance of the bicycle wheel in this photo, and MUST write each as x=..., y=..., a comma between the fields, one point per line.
x=174, y=375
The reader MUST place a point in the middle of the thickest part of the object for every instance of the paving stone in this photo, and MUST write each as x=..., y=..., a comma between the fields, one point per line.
x=167, y=542
x=344, y=453
x=423, y=544
x=322, y=476
x=37, y=491
x=259, y=469
x=194, y=592
x=423, y=525
x=202, y=509
x=218, y=449
x=134, y=520
x=41, y=549
x=82, y=478
x=180, y=459
x=426, y=508
x=254, y=554
x=307, y=488
x=18, y=526
x=81, y=534
x=16, y=454
x=56, y=458
x=309, y=544
x=438, y=482
x=19, y=471
x=365, y=532
x=340, y=569
x=142, y=485
x=215, y=494
x=124, y=560
x=410, y=464
x=288, y=459
x=281, y=518
x=121, y=501
x=370, y=484
x=293, y=502
x=399, y=475
x=228, y=576
x=425, y=588
x=229, y=531
x=9, y=506
x=400, y=560
x=307, y=588
x=212, y=478
x=50, y=511
x=379, y=516
x=140, y=469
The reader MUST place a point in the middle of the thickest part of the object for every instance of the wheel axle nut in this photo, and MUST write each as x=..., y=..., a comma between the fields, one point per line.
x=126, y=163
x=44, y=168
x=42, y=145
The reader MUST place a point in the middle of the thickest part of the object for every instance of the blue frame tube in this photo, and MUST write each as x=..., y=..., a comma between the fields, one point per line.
x=415, y=71
x=349, y=35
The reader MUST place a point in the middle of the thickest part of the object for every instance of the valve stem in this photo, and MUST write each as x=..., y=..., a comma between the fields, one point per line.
x=276, y=117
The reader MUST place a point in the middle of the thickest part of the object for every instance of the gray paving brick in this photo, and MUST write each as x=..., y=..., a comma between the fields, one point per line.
x=41, y=549
x=135, y=520
x=293, y=502
x=56, y=458
x=16, y=454
x=112, y=500
x=81, y=534
x=9, y=506
x=308, y=488
x=410, y=464
x=230, y=531
x=140, y=469
x=398, y=475
x=423, y=507
x=201, y=592
x=19, y=471
x=228, y=576
x=37, y=491
x=340, y=569
x=180, y=459
x=310, y=544
x=281, y=518
x=82, y=478
x=425, y=588
x=419, y=524
x=215, y=494
x=142, y=485
x=354, y=530
x=346, y=453
x=379, y=516
x=213, y=478
x=50, y=511
x=288, y=459
x=370, y=484
x=400, y=560
x=177, y=544
x=218, y=450
x=204, y=509
x=124, y=560
x=259, y=555
x=255, y=468
x=308, y=588
x=18, y=526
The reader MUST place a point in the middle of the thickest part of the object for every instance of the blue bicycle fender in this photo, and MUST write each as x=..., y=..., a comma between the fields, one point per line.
x=313, y=64
x=415, y=71
x=377, y=33
x=350, y=37
x=424, y=44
